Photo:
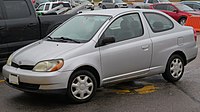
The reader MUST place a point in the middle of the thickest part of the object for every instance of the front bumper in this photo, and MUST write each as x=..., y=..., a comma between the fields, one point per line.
x=37, y=81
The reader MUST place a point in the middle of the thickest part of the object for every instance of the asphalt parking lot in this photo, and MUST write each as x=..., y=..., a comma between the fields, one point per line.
x=152, y=94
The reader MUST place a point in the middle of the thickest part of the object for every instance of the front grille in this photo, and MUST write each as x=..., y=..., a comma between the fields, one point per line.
x=25, y=67
x=25, y=86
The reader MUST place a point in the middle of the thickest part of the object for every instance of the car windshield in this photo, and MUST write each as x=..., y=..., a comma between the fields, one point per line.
x=79, y=29
x=183, y=7
x=58, y=4
x=118, y=1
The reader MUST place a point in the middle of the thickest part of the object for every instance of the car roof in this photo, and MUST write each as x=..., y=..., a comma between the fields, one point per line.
x=115, y=12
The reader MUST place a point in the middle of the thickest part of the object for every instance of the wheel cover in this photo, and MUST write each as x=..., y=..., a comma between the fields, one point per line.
x=82, y=87
x=176, y=68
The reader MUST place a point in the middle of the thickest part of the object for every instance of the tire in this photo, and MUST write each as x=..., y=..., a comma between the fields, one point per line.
x=103, y=7
x=116, y=6
x=182, y=21
x=99, y=5
x=82, y=86
x=174, y=69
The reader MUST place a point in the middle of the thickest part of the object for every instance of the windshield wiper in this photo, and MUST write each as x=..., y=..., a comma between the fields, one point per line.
x=66, y=39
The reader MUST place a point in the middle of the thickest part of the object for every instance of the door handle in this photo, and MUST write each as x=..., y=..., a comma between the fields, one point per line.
x=145, y=47
x=31, y=24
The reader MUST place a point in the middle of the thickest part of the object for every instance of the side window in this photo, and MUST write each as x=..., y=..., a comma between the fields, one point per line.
x=47, y=7
x=110, y=1
x=158, y=22
x=170, y=8
x=16, y=9
x=196, y=6
x=41, y=7
x=125, y=27
x=160, y=7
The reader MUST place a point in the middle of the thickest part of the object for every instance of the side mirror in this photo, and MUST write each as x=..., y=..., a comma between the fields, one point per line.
x=107, y=40
x=175, y=10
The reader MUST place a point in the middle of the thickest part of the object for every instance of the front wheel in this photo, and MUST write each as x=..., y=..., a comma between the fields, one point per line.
x=116, y=6
x=82, y=86
x=174, y=69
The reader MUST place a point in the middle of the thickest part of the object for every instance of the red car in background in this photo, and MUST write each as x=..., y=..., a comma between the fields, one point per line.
x=177, y=11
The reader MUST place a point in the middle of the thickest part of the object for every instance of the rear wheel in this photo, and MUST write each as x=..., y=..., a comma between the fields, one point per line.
x=82, y=86
x=174, y=69
x=116, y=6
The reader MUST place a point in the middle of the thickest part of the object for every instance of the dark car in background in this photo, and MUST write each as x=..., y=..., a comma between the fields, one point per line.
x=193, y=4
x=178, y=11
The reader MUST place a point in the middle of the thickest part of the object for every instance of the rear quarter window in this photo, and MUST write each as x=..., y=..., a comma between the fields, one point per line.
x=158, y=22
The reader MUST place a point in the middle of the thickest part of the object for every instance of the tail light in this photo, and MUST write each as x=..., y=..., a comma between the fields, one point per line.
x=195, y=35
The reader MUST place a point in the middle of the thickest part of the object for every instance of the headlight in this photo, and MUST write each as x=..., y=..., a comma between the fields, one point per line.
x=49, y=66
x=9, y=61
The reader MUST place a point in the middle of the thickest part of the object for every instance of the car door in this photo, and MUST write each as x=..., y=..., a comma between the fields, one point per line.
x=22, y=24
x=173, y=12
x=110, y=3
x=130, y=54
x=3, y=45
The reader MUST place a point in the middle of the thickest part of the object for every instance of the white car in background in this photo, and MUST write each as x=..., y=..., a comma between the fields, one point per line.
x=100, y=47
x=36, y=3
x=107, y=4
x=58, y=7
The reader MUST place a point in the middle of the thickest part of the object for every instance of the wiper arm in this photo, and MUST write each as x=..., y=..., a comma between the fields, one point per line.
x=49, y=37
x=67, y=39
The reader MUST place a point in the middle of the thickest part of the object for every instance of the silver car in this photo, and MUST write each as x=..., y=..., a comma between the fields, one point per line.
x=102, y=47
x=106, y=4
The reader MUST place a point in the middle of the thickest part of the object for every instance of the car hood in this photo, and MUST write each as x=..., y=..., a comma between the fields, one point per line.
x=42, y=50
